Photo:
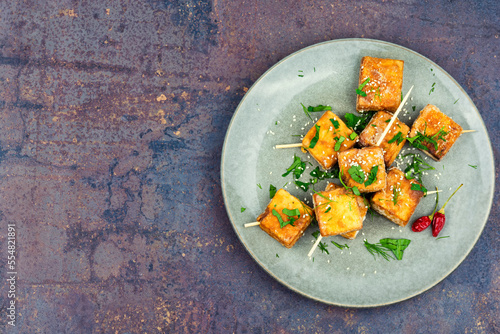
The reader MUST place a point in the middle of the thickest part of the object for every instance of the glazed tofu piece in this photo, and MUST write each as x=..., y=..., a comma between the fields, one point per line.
x=363, y=168
x=393, y=141
x=434, y=132
x=384, y=81
x=363, y=206
x=397, y=201
x=287, y=208
x=334, y=136
x=337, y=212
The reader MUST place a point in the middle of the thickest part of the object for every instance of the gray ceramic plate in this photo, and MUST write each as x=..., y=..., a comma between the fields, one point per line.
x=271, y=113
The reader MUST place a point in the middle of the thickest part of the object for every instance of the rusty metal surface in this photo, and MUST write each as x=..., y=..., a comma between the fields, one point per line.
x=113, y=115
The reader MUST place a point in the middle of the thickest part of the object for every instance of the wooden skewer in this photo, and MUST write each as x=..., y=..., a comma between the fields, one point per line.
x=252, y=224
x=315, y=245
x=467, y=131
x=288, y=145
x=393, y=118
x=433, y=192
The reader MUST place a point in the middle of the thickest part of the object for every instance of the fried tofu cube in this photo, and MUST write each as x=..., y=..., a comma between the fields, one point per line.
x=397, y=201
x=363, y=206
x=337, y=212
x=334, y=136
x=284, y=205
x=363, y=168
x=383, y=89
x=393, y=141
x=435, y=132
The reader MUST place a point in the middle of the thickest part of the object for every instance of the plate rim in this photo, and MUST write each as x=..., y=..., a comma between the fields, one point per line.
x=253, y=256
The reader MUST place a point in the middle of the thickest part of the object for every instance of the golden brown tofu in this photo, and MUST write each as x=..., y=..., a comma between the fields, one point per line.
x=337, y=212
x=397, y=201
x=289, y=234
x=383, y=90
x=436, y=132
x=393, y=141
x=358, y=167
x=334, y=136
x=363, y=206
x=362, y=203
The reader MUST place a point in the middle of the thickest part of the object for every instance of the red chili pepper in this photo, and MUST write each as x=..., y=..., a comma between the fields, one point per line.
x=424, y=222
x=437, y=223
x=439, y=218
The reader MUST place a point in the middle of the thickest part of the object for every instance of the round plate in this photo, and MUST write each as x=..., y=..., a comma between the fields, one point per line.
x=271, y=113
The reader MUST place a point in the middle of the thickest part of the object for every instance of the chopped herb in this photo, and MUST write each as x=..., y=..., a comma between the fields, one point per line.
x=277, y=255
x=315, y=138
x=416, y=168
x=355, y=190
x=272, y=191
x=339, y=143
x=473, y=166
x=419, y=140
x=413, y=108
x=291, y=213
x=315, y=234
x=387, y=120
x=401, y=96
x=372, y=176
x=377, y=94
x=306, y=111
x=395, y=195
x=357, y=174
x=328, y=210
x=301, y=75
x=243, y=209
x=258, y=185
x=456, y=101
x=323, y=246
x=335, y=123
x=397, y=246
x=353, y=136
x=282, y=223
x=319, y=107
x=302, y=185
x=418, y=187
x=374, y=125
x=298, y=166
x=398, y=138
x=377, y=249
x=340, y=246
x=358, y=123
x=432, y=88
x=359, y=89
x=443, y=237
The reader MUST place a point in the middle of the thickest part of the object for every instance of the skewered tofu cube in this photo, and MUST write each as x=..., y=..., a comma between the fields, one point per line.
x=434, y=132
x=383, y=89
x=334, y=136
x=363, y=168
x=337, y=212
x=363, y=209
x=285, y=209
x=397, y=201
x=393, y=141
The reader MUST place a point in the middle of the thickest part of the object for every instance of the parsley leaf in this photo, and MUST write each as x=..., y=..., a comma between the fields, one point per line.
x=358, y=123
x=372, y=176
x=243, y=209
x=418, y=187
x=282, y=223
x=315, y=138
x=272, y=191
x=319, y=107
x=335, y=123
x=357, y=174
x=398, y=138
x=397, y=246
x=360, y=87
x=339, y=143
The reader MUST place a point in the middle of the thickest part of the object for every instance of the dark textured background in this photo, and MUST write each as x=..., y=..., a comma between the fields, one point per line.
x=113, y=116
